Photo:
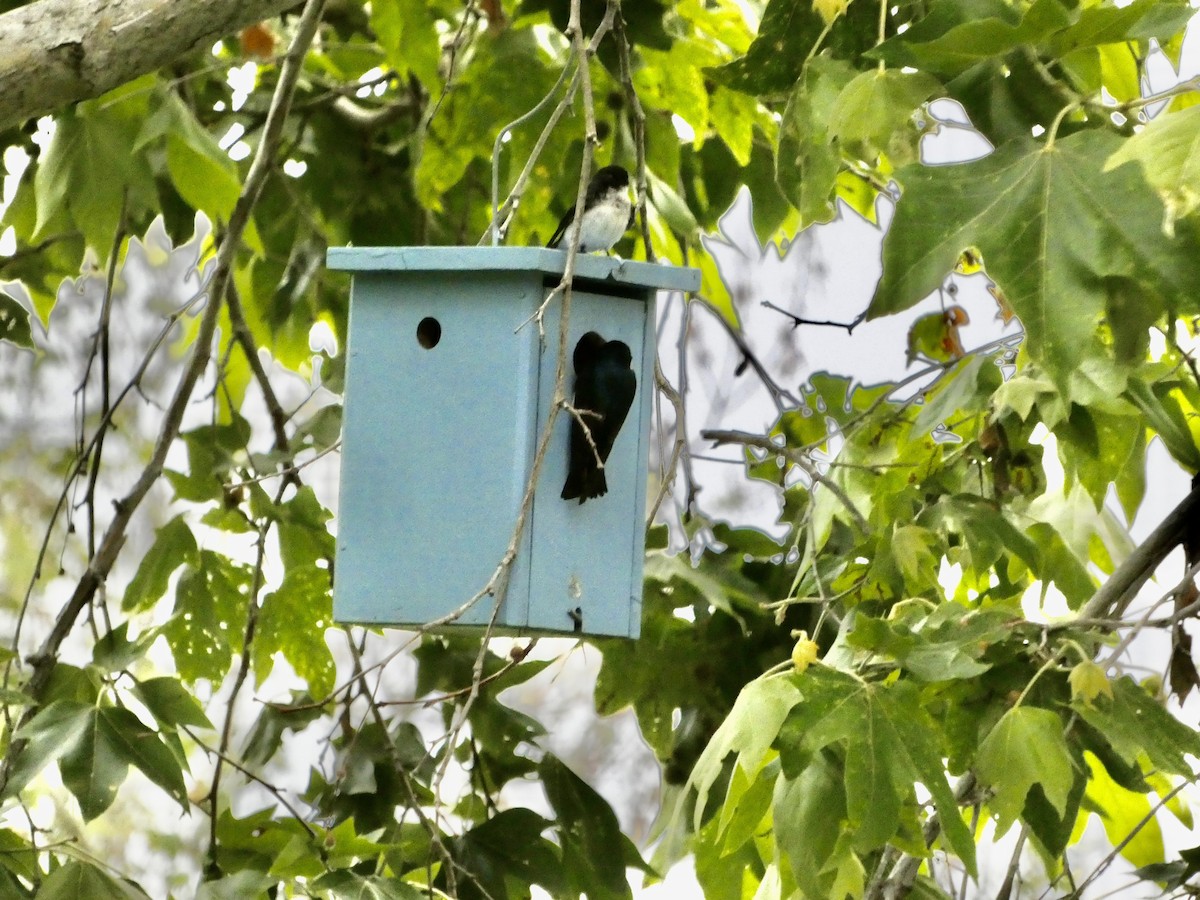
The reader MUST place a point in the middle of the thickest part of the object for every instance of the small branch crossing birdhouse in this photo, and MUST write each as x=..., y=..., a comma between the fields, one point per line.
x=448, y=386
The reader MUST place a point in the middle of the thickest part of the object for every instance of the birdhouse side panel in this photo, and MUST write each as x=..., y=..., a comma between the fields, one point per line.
x=437, y=443
x=588, y=557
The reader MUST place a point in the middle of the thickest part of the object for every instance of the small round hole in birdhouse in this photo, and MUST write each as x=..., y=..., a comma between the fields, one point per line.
x=429, y=332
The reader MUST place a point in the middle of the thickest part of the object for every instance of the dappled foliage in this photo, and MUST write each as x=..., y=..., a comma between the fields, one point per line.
x=828, y=709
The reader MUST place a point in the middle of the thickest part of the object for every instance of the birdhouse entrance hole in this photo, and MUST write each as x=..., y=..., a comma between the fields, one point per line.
x=429, y=332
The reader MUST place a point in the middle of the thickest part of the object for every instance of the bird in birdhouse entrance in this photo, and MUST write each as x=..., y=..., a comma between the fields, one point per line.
x=604, y=389
x=607, y=212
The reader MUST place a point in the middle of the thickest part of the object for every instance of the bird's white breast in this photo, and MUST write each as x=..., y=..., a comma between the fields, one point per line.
x=605, y=223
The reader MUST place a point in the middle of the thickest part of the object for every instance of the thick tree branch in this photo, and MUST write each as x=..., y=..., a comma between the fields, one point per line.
x=57, y=52
x=1122, y=586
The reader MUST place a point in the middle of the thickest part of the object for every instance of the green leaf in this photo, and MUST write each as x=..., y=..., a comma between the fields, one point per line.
x=887, y=723
x=509, y=847
x=1134, y=723
x=1141, y=20
x=92, y=769
x=1026, y=747
x=808, y=813
x=239, y=886
x=787, y=35
x=292, y=621
x=1045, y=221
x=55, y=730
x=91, y=146
x=1121, y=811
x=958, y=34
x=345, y=883
x=808, y=157
x=408, y=35
x=747, y=802
x=672, y=81
x=748, y=730
x=75, y=880
x=266, y=737
x=1163, y=414
x=170, y=703
x=174, y=546
x=594, y=851
x=95, y=766
x=209, y=620
x=1168, y=151
x=144, y=748
x=877, y=104
x=14, y=322
x=911, y=547
x=733, y=116
x=114, y=651
x=204, y=175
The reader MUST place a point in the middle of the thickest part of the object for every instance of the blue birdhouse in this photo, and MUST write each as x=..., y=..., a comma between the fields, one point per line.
x=448, y=386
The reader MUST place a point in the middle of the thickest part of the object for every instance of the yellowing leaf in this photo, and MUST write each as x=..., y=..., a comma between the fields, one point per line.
x=805, y=653
x=935, y=336
x=829, y=10
x=1088, y=682
x=1121, y=811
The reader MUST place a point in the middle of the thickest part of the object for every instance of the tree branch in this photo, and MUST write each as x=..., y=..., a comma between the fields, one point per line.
x=1122, y=586
x=57, y=52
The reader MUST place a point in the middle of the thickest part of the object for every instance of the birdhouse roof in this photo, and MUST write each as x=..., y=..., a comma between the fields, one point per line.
x=507, y=259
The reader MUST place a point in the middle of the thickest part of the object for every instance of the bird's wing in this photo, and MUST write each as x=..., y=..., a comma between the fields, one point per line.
x=561, y=231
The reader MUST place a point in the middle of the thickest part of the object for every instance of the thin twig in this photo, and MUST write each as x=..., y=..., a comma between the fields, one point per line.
x=799, y=457
x=245, y=339
x=797, y=321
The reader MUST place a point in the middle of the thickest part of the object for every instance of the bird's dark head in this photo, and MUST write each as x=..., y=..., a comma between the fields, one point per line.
x=619, y=353
x=610, y=177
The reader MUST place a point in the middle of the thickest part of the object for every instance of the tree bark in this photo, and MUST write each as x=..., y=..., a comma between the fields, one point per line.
x=57, y=52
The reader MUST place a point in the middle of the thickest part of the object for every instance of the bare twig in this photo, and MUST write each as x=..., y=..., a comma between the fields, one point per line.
x=272, y=789
x=639, y=128
x=241, y=333
x=799, y=457
x=797, y=321
x=778, y=394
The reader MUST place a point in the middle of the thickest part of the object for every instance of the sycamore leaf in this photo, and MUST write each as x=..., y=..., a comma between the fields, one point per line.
x=55, y=730
x=808, y=813
x=891, y=744
x=77, y=879
x=748, y=730
x=1026, y=747
x=1135, y=722
x=1055, y=232
x=876, y=104
x=1121, y=811
x=957, y=34
x=113, y=739
x=1168, y=150
x=14, y=322
x=808, y=157
x=293, y=622
x=594, y=851
x=1088, y=681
